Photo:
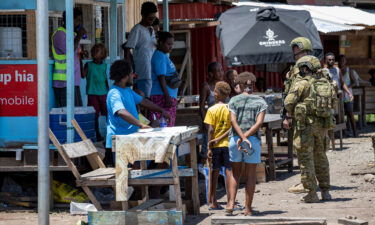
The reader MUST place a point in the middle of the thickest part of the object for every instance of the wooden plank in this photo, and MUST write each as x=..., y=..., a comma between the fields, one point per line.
x=31, y=168
x=134, y=182
x=79, y=149
x=271, y=157
x=284, y=161
x=63, y=154
x=194, y=179
x=31, y=34
x=160, y=173
x=92, y=197
x=147, y=204
x=262, y=220
x=100, y=174
x=164, y=217
x=94, y=159
x=294, y=223
x=340, y=126
x=7, y=196
x=144, y=189
x=189, y=99
x=276, y=149
x=176, y=181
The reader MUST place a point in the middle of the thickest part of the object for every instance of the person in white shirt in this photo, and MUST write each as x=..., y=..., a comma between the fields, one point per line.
x=142, y=41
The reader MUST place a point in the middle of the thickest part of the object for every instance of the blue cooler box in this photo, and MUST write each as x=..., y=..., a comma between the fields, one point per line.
x=85, y=116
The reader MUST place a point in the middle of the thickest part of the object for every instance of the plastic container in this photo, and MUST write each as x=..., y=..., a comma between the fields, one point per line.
x=85, y=116
x=81, y=208
x=162, y=122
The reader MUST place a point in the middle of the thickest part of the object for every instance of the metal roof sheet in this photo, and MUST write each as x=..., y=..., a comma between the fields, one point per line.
x=328, y=19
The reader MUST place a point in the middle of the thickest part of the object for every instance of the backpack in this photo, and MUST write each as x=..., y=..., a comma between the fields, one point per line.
x=322, y=96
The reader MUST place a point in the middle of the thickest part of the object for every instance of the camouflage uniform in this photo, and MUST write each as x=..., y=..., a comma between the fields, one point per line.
x=309, y=136
x=303, y=44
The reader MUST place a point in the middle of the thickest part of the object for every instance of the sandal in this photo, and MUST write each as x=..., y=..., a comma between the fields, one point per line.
x=229, y=212
x=219, y=207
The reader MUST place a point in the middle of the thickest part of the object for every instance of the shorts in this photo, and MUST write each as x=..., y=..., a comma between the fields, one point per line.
x=144, y=85
x=99, y=104
x=240, y=156
x=220, y=157
x=348, y=107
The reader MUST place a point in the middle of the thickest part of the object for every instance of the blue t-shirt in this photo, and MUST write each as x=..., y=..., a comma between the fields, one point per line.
x=162, y=65
x=121, y=98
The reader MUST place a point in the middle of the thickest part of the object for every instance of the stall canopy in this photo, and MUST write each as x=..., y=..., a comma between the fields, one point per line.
x=251, y=36
x=328, y=19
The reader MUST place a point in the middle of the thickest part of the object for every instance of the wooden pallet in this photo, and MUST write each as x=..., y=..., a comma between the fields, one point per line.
x=267, y=220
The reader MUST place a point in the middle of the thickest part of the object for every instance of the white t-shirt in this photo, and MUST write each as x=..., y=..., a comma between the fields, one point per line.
x=144, y=44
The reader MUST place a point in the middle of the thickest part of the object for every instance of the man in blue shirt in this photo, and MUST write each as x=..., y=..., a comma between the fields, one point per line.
x=122, y=103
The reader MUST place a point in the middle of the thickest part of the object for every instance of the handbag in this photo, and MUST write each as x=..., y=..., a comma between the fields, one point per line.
x=173, y=81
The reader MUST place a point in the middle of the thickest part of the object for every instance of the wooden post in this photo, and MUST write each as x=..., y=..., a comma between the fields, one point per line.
x=194, y=178
x=145, y=194
x=176, y=181
x=290, y=150
x=373, y=145
x=51, y=202
x=271, y=157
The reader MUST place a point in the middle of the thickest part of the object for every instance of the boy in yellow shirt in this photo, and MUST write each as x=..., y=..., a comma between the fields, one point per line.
x=218, y=121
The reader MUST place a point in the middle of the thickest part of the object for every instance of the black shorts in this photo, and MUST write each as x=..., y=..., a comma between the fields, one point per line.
x=348, y=107
x=220, y=157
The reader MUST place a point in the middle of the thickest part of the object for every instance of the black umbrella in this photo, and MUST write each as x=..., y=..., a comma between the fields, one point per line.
x=252, y=35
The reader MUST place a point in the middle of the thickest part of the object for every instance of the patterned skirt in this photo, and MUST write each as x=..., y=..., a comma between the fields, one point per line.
x=160, y=101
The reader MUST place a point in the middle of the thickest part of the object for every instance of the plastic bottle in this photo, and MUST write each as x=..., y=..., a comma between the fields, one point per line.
x=162, y=122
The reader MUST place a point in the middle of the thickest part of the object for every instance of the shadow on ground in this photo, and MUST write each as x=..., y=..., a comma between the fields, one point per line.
x=195, y=219
x=269, y=212
x=340, y=188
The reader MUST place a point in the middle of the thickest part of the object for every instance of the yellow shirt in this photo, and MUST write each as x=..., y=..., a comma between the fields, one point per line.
x=219, y=118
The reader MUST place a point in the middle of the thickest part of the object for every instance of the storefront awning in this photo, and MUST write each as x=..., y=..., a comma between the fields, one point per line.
x=329, y=19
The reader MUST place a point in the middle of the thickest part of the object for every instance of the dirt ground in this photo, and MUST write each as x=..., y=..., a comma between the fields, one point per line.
x=351, y=194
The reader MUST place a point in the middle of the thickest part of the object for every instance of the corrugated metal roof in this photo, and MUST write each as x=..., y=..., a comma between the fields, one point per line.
x=328, y=19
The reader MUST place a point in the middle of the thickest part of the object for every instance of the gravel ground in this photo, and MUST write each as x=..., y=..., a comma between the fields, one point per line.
x=351, y=194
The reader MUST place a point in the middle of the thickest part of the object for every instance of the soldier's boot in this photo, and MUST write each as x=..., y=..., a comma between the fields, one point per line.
x=298, y=188
x=326, y=196
x=311, y=197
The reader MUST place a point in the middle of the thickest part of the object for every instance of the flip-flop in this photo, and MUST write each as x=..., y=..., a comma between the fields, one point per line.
x=238, y=207
x=219, y=207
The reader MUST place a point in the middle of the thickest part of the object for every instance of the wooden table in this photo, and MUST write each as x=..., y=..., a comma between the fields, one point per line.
x=273, y=123
x=166, y=177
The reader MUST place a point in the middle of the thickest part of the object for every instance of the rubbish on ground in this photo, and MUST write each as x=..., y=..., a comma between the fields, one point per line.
x=370, y=178
x=352, y=220
x=81, y=208
x=65, y=193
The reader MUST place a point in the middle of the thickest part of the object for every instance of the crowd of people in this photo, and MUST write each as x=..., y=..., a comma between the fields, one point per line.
x=146, y=82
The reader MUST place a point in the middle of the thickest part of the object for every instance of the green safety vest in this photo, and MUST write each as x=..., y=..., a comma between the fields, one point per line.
x=59, y=72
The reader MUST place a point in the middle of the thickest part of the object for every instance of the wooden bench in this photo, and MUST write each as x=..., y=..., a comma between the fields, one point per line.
x=368, y=101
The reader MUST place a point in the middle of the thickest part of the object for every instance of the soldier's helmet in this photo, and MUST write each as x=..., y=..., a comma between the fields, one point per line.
x=310, y=62
x=304, y=44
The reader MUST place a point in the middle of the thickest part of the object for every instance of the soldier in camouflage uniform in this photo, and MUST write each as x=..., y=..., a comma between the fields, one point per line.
x=310, y=131
x=301, y=46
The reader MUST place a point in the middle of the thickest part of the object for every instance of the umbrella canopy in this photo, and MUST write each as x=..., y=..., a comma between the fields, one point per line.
x=252, y=35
